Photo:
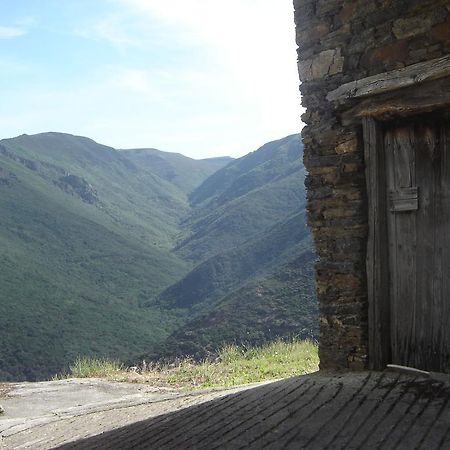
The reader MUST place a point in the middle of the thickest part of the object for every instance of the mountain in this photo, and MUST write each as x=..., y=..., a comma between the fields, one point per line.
x=229, y=269
x=185, y=173
x=125, y=253
x=85, y=236
x=279, y=304
x=246, y=197
x=248, y=230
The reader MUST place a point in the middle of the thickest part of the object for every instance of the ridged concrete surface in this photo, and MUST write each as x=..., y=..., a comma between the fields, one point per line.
x=348, y=411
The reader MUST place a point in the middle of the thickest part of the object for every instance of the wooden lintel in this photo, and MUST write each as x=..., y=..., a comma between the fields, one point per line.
x=393, y=80
x=431, y=96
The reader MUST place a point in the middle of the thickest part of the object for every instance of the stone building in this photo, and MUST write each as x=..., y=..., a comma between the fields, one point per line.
x=375, y=81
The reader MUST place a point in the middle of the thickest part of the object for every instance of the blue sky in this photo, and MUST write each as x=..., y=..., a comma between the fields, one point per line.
x=199, y=77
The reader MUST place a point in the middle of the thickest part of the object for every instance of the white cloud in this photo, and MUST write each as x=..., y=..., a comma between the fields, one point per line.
x=113, y=29
x=11, y=32
x=248, y=48
x=19, y=28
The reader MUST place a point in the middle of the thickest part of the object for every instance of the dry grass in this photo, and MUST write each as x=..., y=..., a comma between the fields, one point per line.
x=234, y=366
x=4, y=389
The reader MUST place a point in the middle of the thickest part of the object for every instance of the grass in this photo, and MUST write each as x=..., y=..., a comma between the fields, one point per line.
x=85, y=367
x=235, y=365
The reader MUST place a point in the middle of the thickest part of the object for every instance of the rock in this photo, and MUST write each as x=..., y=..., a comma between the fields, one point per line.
x=328, y=62
x=77, y=185
x=409, y=27
x=7, y=178
x=2, y=410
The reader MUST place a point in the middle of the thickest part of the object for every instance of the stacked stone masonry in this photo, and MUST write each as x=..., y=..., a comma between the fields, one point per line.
x=340, y=41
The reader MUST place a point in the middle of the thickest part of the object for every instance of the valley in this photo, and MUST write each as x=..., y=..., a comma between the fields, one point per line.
x=138, y=253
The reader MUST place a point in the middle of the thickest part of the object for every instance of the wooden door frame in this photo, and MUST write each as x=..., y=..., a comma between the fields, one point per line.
x=420, y=88
x=377, y=259
x=377, y=256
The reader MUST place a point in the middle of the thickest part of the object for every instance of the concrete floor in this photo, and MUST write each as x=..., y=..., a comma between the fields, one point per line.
x=44, y=415
x=320, y=411
x=351, y=411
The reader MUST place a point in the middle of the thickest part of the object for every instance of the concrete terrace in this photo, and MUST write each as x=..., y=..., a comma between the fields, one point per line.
x=320, y=411
x=367, y=410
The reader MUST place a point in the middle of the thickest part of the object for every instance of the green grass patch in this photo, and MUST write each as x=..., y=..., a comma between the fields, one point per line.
x=235, y=365
x=240, y=365
x=87, y=367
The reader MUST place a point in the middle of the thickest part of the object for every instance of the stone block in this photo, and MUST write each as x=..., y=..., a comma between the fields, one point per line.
x=342, y=232
x=392, y=53
x=313, y=34
x=383, y=34
x=408, y=27
x=361, y=41
x=441, y=32
x=338, y=38
x=322, y=170
x=348, y=11
x=350, y=194
x=319, y=193
x=352, y=167
x=417, y=55
x=350, y=146
x=357, y=363
x=325, y=7
x=328, y=62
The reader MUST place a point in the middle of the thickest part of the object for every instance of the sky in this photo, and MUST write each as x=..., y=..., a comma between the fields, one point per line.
x=200, y=77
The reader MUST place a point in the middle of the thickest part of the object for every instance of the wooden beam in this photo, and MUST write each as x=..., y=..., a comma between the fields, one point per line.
x=391, y=81
x=430, y=96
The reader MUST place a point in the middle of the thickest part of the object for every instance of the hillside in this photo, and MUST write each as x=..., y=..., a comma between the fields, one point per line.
x=246, y=197
x=185, y=173
x=137, y=252
x=85, y=236
x=230, y=269
x=255, y=278
x=280, y=304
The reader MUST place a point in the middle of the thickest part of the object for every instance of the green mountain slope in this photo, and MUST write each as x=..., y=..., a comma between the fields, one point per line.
x=230, y=269
x=280, y=304
x=270, y=162
x=79, y=256
x=185, y=173
x=245, y=198
x=254, y=281
x=140, y=252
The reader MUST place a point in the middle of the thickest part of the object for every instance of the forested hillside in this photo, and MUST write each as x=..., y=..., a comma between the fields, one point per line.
x=255, y=279
x=125, y=253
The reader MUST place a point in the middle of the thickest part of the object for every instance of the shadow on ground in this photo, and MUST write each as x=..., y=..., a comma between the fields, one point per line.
x=365, y=410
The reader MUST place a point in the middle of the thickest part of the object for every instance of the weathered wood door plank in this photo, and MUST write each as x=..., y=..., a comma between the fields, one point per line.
x=377, y=254
x=399, y=148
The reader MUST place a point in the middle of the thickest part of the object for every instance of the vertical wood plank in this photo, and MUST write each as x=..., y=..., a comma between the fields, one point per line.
x=436, y=308
x=424, y=346
x=391, y=238
x=377, y=254
x=443, y=248
x=402, y=236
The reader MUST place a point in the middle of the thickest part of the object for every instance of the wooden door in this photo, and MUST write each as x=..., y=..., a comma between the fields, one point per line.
x=417, y=204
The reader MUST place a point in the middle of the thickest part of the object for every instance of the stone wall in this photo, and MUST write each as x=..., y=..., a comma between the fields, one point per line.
x=341, y=41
